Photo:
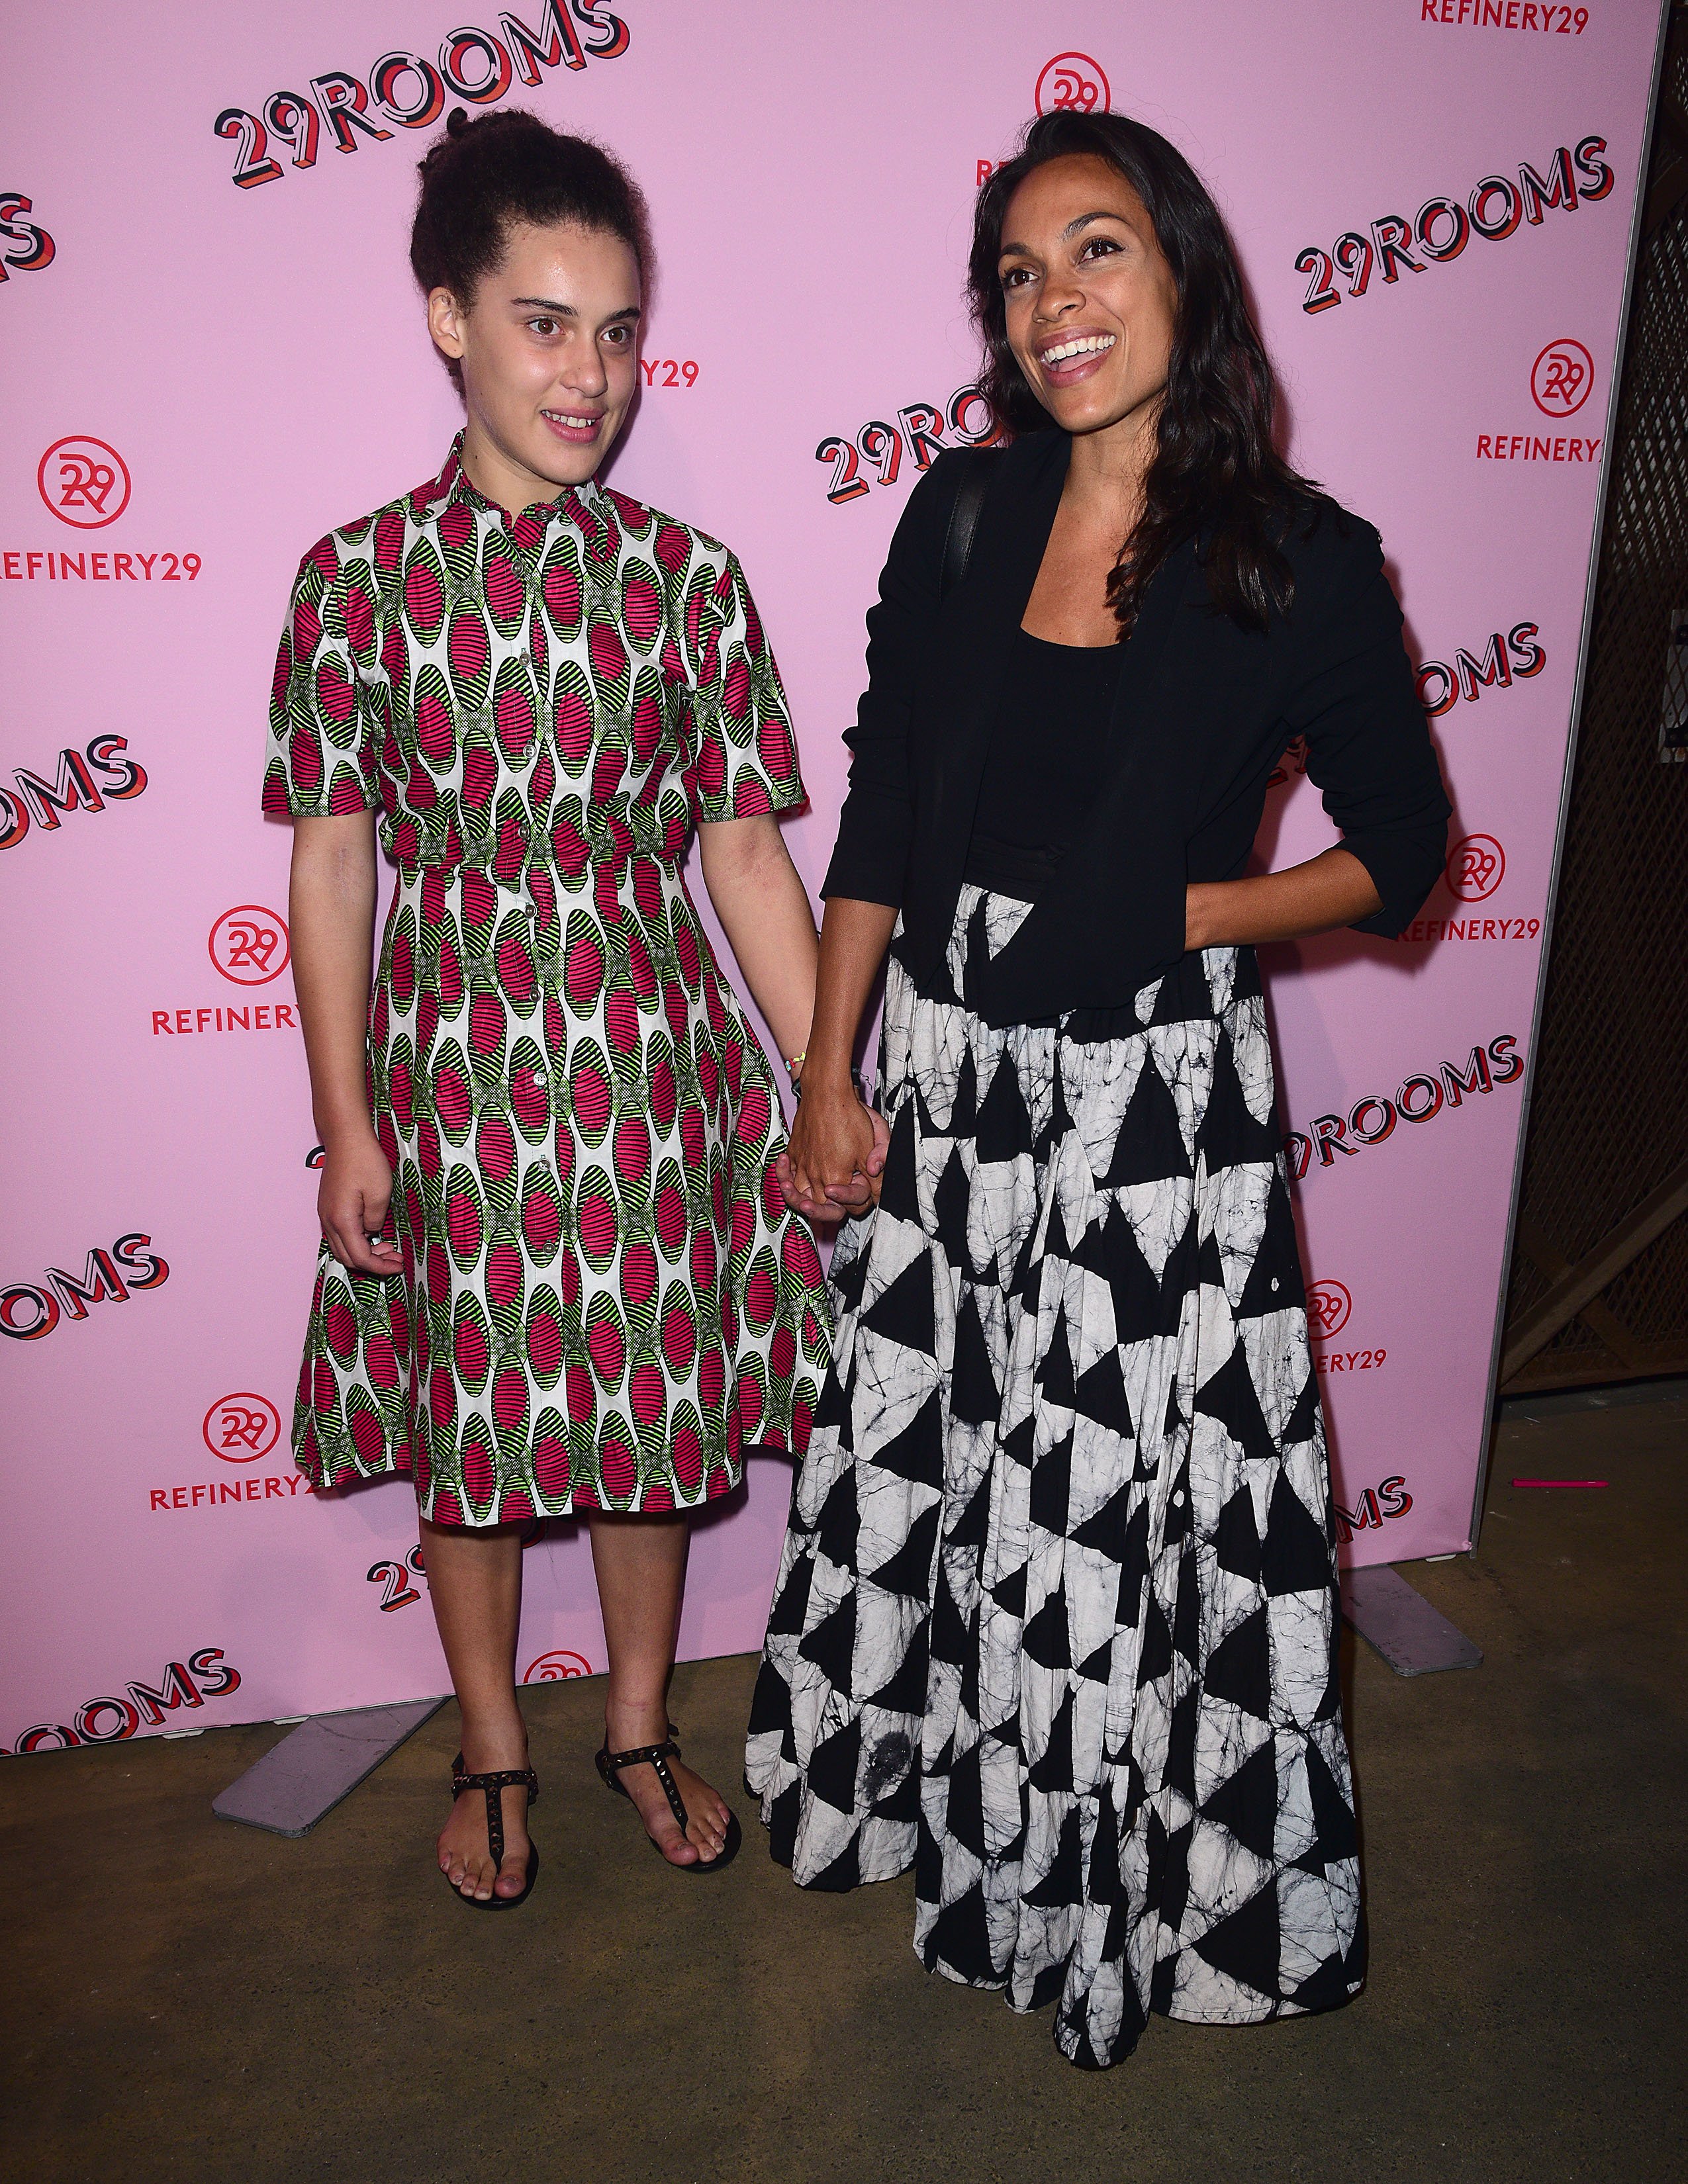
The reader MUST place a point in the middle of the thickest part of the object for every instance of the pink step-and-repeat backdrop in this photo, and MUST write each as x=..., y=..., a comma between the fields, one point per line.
x=214, y=352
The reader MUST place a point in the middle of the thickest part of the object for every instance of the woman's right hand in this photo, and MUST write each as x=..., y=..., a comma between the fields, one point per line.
x=832, y=1162
x=352, y=1201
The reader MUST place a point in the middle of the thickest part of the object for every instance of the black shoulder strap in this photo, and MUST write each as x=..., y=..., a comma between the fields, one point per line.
x=963, y=525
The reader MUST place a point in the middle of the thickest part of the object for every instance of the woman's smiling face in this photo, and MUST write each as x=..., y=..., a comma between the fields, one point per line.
x=1089, y=299
x=548, y=347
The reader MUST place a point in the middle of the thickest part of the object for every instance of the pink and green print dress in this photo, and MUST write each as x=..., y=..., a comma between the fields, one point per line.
x=604, y=1300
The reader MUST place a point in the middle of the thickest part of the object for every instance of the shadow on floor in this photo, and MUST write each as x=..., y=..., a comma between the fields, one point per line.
x=191, y=2001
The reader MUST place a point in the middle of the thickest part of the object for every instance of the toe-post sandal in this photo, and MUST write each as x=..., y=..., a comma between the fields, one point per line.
x=495, y=1786
x=609, y=1766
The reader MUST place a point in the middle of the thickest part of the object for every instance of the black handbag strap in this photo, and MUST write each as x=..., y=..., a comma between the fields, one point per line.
x=962, y=527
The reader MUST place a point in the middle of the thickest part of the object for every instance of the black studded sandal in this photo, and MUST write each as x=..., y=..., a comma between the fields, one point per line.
x=495, y=1786
x=609, y=1765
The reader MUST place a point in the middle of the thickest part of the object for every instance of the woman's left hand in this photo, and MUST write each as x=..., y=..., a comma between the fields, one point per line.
x=862, y=1191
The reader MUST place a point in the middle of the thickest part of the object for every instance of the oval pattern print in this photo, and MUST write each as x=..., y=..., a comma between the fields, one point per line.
x=604, y=1300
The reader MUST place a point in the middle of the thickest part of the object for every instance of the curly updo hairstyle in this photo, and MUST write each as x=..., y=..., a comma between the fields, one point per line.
x=485, y=176
x=1215, y=468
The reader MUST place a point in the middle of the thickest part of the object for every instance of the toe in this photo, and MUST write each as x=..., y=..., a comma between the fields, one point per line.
x=675, y=1847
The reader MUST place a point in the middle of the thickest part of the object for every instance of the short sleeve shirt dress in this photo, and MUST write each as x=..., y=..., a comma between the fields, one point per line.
x=603, y=1298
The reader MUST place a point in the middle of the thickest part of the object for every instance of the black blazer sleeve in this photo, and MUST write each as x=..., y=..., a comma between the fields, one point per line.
x=876, y=826
x=1353, y=697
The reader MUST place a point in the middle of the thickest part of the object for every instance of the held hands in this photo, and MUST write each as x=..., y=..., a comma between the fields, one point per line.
x=836, y=1156
x=351, y=1203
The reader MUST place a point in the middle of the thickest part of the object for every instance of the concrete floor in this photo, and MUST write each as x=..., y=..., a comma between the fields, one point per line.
x=188, y=2000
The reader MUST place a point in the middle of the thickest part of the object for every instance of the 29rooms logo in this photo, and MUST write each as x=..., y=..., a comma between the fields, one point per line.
x=1562, y=378
x=398, y=1590
x=1495, y=210
x=918, y=432
x=1372, y=1509
x=29, y=1309
x=84, y=482
x=407, y=89
x=39, y=802
x=241, y=1427
x=395, y=1579
x=249, y=945
x=1504, y=660
x=25, y=246
x=1419, y=1098
x=204, y=1675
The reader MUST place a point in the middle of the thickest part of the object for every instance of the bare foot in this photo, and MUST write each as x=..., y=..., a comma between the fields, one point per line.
x=465, y=1856
x=706, y=1812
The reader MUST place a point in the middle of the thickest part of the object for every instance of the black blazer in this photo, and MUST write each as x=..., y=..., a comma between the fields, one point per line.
x=1203, y=712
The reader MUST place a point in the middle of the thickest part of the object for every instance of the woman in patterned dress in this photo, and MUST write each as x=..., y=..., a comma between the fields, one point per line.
x=1055, y=1622
x=557, y=1276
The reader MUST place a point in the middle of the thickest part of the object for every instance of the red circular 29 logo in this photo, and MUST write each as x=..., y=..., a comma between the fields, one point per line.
x=241, y=1427
x=1562, y=378
x=1328, y=1305
x=1476, y=866
x=1072, y=83
x=249, y=945
x=557, y=1668
x=84, y=482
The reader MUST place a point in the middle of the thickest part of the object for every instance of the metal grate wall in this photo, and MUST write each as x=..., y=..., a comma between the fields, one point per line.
x=1599, y=1282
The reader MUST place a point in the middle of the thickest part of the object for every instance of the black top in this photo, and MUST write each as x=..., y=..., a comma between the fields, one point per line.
x=1044, y=761
x=1201, y=712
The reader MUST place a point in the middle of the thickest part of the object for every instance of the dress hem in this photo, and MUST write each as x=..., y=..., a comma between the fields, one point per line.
x=578, y=1502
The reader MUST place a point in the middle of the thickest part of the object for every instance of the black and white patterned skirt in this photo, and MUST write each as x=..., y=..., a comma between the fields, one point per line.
x=1055, y=1621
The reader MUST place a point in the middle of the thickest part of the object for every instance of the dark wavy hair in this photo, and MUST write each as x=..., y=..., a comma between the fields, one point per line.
x=1215, y=472
x=484, y=176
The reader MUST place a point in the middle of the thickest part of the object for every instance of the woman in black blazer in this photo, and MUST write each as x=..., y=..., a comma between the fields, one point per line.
x=1057, y=1618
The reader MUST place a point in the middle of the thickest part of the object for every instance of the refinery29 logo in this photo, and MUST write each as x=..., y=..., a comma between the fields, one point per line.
x=1562, y=378
x=559, y=1666
x=249, y=945
x=1072, y=83
x=1475, y=868
x=241, y=1427
x=84, y=482
x=1328, y=1305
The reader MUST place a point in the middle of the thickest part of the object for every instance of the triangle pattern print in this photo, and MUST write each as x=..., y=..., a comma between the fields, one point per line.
x=1055, y=1622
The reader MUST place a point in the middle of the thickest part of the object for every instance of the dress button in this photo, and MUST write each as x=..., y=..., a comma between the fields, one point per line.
x=1274, y=1286
x=1177, y=1498
x=539, y=1078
